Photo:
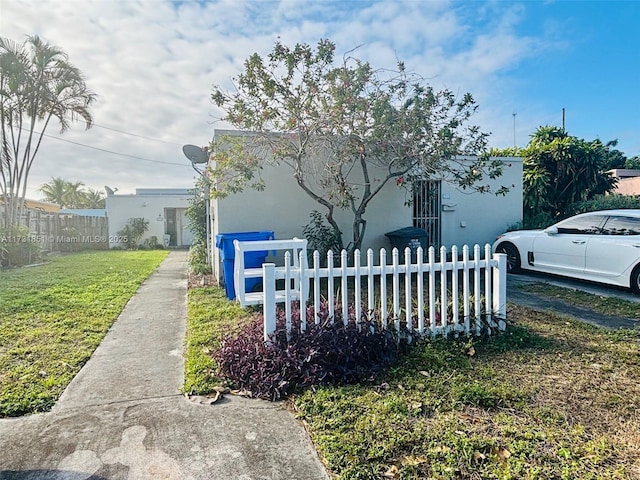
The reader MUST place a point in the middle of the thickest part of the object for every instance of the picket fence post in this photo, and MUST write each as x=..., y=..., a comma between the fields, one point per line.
x=500, y=290
x=269, y=299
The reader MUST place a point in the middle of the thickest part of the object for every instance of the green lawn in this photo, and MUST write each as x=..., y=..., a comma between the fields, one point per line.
x=550, y=399
x=53, y=316
x=211, y=316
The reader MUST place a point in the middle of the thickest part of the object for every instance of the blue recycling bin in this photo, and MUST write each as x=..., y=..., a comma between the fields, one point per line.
x=224, y=242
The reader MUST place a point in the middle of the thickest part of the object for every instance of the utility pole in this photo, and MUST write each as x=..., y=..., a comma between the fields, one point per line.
x=562, y=118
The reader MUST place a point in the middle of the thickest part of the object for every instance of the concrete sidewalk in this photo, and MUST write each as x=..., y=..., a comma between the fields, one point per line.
x=123, y=416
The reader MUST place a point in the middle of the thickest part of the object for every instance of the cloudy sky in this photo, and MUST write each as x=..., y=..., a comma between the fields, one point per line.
x=152, y=64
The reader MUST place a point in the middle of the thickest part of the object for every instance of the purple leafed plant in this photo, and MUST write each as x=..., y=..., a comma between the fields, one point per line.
x=324, y=354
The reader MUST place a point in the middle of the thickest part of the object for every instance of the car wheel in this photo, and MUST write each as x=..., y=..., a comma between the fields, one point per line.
x=513, y=256
x=635, y=280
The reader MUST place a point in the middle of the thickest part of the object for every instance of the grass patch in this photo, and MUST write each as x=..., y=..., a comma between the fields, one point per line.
x=53, y=316
x=210, y=317
x=605, y=305
x=550, y=399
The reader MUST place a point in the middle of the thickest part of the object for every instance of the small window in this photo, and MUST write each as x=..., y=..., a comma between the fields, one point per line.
x=622, y=226
x=588, y=225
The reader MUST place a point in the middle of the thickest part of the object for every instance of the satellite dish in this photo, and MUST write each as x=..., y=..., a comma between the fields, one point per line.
x=196, y=154
x=109, y=191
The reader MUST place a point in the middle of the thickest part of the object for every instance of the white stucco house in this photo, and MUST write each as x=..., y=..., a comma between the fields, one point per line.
x=451, y=215
x=164, y=208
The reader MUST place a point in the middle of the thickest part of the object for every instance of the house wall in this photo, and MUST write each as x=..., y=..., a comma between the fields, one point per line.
x=284, y=208
x=151, y=206
x=471, y=217
x=628, y=186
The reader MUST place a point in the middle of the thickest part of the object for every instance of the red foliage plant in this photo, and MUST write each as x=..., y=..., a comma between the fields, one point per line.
x=324, y=354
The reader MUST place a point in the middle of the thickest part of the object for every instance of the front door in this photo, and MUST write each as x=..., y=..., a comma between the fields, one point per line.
x=170, y=229
x=186, y=235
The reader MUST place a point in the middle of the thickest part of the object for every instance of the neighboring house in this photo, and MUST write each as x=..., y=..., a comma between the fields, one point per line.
x=628, y=181
x=450, y=215
x=42, y=206
x=36, y=206
x=164, y=208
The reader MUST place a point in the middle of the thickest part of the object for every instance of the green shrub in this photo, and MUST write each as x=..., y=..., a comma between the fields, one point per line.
x=200, y=268
x=604, y=202
x=198, y=259
x=321, y=237
x=198, y=253
x=152, y=243
x=133, y=231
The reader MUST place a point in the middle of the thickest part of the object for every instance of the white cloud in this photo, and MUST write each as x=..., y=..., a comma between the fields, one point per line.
x=152, y=64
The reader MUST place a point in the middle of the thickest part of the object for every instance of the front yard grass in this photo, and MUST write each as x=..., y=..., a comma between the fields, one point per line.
x=53, y=316
x=210, y=317
x=551, y=399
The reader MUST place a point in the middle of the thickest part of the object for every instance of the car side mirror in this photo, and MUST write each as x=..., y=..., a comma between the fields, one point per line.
x=551, y=230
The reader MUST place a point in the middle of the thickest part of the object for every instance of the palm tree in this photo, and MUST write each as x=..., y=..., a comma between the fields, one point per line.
x=74, y=195
x=547, y=134
x=38, y=85
x=93, y=199
x=54, y=191
x=64, y=193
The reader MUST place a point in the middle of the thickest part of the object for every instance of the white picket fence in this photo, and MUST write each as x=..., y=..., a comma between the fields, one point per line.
x=463, y=295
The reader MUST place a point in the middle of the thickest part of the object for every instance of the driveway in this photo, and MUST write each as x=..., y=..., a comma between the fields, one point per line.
x=540, y=302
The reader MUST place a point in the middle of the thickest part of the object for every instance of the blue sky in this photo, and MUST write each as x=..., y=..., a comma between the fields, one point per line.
x=593, y=73
x=152, y=64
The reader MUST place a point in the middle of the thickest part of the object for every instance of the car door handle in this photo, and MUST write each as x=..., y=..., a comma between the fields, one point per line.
x=636, y=245
x=578, y=242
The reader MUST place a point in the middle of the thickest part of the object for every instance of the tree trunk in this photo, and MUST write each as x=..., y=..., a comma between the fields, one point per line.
x=359, y=228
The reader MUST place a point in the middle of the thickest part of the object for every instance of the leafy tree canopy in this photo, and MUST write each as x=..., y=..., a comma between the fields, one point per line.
x=38, y=86
x=560, y=170
x=345, y=129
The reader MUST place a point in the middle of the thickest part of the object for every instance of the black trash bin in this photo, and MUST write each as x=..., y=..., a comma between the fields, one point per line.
x=411, y=237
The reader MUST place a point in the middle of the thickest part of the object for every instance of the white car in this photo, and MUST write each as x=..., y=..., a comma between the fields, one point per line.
x=602, y=246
